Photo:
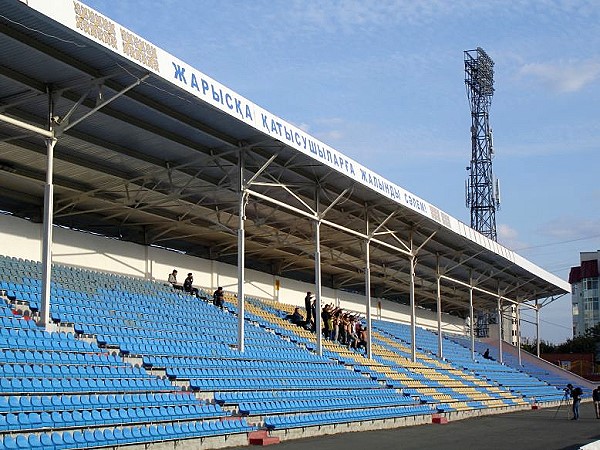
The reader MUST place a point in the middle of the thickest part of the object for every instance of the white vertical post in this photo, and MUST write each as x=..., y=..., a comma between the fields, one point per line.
x=519, y=333
x=47, y=234
x=537, y=328
x=413, y=319
x=472, y=331
x=48, y=219
x=368, y=296
x=318, y=325
x=500, y=358
x=241, y=253
x=438, y=299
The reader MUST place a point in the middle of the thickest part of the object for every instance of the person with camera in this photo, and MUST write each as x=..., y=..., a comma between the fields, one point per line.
x=596, y=399
x=308, y=307
x=575, y=394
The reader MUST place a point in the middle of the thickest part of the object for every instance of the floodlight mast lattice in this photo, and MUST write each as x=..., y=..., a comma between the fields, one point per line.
x=482, y=192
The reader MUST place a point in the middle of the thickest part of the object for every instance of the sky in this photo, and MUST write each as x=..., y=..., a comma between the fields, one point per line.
x=383, y=82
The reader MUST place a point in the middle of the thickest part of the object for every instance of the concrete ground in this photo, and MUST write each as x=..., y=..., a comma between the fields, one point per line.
x=547, y=429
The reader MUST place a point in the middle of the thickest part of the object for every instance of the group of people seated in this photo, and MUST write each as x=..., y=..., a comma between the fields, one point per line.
x=188, y=283
x=188, y=286
x=337, y=325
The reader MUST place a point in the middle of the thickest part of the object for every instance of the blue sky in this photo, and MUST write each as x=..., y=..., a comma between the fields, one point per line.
x=383, y=82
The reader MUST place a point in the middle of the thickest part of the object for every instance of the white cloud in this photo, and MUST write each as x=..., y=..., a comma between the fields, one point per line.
x=572, y=228
x=564, y=76
x=509, y=237
x=352, y=15
x=303, y=126
x=331, y=135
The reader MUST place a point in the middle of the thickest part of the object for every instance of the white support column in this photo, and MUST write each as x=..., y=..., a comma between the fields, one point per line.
x=413, y=318
x=519, y=333
x=500, y=320
x=368, y=296
x=47, y=234
x=438, y=298
x=318, y=325
x=537, y=328
x=241, y=254
x=472, y=318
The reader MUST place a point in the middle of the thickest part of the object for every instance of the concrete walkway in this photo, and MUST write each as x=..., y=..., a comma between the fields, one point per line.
x=546, y=429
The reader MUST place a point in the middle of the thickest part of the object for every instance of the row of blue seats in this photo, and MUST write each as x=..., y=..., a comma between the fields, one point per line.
x=47, y=344
x=124, y=339
x=224, y=350
x=328, y=418
x=38, y=403
x=7, y=312
x=11, y=321
x=211, y=384
x=34, y=421
x=36, y=333
x=144, y=312
x=286, y=406
x=162, y=336
x=123, y=436
x=300, y=373
x=102, y=309
x=59, y=357
x=239, y=362
x=234, y=397
x=70, y=371
x=81, y=385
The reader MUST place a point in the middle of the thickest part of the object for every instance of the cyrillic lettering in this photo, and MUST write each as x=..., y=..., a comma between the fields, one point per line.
x=215, y=95
x=228, y=101
x=179, y=72
x=194, y=82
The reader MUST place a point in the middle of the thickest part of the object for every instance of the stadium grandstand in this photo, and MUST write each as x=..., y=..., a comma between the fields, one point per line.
x=120, y=162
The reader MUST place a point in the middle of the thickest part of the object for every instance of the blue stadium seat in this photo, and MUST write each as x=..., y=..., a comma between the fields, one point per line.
x=9, y=442
x=79, y=439
x=46, y=441
x=22, y=441
x=34, y=442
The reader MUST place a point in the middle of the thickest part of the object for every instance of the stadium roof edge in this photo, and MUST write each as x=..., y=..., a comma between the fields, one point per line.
x=84, y=24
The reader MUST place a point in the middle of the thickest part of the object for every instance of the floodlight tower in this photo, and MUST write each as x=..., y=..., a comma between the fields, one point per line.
x=482, y=191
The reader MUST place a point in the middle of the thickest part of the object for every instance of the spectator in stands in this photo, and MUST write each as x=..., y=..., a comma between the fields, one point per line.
x=219, y=297
x=296, y=318
x=325, y=320
x=313, y=311
x=188, y=285
x=596, y=398
x=173, y=280
x=335, y=329
x=343, y=329
x=486, y=354
x=362, y=338
x=351, y=333
x=576, y=394
x=307, y=306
